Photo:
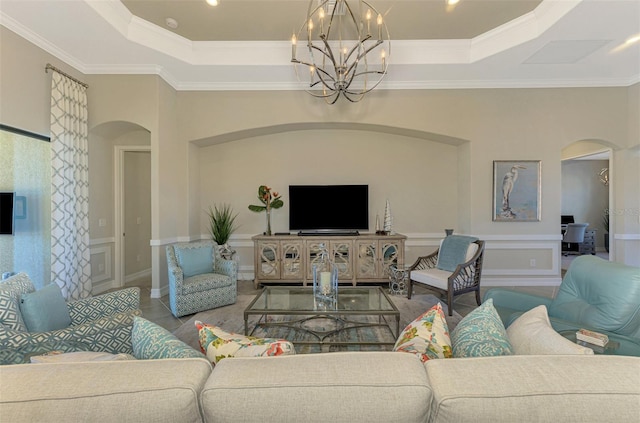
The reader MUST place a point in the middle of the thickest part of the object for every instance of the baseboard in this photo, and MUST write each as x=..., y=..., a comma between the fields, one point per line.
x=555, y=281
x=103, y=286
x=159, y=293
x=146, y=273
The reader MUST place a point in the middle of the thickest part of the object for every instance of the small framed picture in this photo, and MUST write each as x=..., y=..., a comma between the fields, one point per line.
x=517, y=190
x=20, y=207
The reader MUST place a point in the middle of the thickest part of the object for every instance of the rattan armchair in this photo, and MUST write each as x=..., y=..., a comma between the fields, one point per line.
x=465, y=278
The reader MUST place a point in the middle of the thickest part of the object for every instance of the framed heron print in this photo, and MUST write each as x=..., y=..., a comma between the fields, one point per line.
x=516, y=190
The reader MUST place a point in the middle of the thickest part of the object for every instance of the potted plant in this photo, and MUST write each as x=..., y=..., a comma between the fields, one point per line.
x=270, y=201
x=605, y=222
x=222, y=224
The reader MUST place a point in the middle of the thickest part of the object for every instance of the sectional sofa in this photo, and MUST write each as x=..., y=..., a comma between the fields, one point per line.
x=330, y=387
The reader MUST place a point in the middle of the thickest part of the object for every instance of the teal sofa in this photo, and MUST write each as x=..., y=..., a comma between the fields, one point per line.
x=594, y=294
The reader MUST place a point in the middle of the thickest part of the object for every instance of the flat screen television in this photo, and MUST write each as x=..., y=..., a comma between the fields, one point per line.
x=328, y=208
x=6, y=213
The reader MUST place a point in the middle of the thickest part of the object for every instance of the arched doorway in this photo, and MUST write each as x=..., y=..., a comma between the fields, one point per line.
x=111, y=146
x=587, y=194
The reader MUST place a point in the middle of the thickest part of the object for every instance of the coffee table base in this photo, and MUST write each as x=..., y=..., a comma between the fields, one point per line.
x=322, y=337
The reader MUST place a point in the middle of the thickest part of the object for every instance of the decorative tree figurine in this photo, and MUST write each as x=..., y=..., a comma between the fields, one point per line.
x=387, y=219
x=270, y=201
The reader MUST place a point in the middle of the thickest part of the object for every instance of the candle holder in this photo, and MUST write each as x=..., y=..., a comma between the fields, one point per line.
x=325, y=278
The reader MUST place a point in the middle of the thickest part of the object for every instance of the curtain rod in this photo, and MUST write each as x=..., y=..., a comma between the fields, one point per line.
x=53, y=68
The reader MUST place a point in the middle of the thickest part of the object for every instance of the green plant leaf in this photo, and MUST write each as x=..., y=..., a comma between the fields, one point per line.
x=257, y=208
x=222, y=223
x=277, y=203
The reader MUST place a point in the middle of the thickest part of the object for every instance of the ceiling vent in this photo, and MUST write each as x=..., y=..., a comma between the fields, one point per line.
x=331, y=4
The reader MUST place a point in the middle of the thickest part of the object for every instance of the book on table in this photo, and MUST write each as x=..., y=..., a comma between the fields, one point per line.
x=592, y=337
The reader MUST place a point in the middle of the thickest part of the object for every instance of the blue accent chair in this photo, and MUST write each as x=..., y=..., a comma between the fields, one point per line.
x=595, y=294
x=199, y=278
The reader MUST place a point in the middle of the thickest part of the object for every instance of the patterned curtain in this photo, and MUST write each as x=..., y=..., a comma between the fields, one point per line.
x=70, y=266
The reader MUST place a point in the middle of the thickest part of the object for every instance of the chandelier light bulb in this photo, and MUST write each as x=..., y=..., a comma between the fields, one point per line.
x=294, y=41
x=212, y=2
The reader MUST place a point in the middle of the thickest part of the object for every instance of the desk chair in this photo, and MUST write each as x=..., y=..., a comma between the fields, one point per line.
x=573, y=235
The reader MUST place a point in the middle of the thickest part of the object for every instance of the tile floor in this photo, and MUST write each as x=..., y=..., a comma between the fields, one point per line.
x=157, y=309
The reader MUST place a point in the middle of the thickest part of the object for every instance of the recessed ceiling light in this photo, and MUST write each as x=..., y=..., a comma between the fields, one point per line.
x=212, y=2
x=171, y=23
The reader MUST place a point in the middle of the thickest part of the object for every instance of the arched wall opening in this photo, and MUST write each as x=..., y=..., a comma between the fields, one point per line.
x=587, y=194
x=424, y=176
x=109, y=145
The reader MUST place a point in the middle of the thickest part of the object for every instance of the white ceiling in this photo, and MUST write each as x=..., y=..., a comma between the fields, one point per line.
x=244, y=44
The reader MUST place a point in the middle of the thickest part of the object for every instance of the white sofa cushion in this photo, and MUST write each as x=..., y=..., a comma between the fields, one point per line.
x=332, y=387
x=535, y=388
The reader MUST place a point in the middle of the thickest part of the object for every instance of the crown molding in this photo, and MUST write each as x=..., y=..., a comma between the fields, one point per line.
x=218, y=63
x=40, y=42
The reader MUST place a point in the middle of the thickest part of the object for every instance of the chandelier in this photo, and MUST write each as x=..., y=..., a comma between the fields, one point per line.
x=346, y=52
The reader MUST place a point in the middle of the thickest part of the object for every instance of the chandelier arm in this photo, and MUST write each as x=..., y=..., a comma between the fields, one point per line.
x=362, y=55
x=361, y=42
x=321, y=72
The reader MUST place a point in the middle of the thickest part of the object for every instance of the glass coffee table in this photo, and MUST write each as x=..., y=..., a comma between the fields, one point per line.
x=617, y=345
x=360, y=316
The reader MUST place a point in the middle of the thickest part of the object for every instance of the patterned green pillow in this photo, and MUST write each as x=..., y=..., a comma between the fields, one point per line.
x=150, y=341
x=481, y=333
x=427, y=336
x=10, y=291
x=219, y=344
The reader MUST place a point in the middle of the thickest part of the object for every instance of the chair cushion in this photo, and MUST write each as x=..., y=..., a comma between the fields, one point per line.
x=532, y=334
x=195, y=261
x=600, y=294
x=481, y=334
x=205, y=282
x=10, y=291
x=427, y=336
x=218, y=344
x=150, y=341
x=45, y=310
x=454, y=250
x=432, y=277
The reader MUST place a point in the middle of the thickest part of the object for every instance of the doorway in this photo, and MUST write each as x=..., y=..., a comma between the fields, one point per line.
x=132, y=213
x=586, y=196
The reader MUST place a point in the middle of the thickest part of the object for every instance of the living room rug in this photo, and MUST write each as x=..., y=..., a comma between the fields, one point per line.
x=231, y=319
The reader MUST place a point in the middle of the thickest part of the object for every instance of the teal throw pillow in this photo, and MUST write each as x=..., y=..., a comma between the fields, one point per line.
x=195, y=261
x=481, y=333
x=45, y=310
x=150, y=341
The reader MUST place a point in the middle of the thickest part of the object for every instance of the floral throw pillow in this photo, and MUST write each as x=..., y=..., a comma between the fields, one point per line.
x=218, y=344
x=427, y=336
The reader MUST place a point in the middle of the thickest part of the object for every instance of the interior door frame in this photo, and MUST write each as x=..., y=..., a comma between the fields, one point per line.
x=118, y=203
x=610, y=159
